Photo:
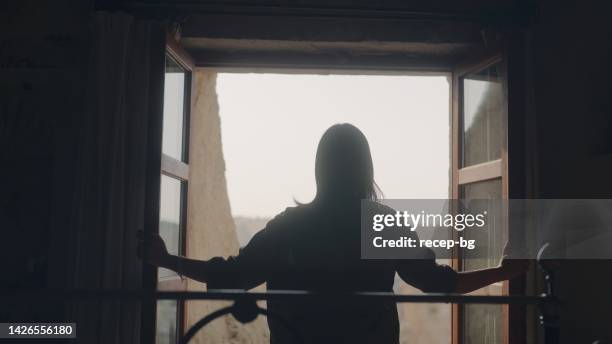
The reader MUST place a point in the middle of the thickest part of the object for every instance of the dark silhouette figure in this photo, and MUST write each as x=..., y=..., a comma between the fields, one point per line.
x=316, y=247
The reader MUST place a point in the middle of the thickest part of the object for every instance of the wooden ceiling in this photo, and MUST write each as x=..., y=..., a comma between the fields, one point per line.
x=391, y=34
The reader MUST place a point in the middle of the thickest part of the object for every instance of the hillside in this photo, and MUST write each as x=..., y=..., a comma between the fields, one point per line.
x=246, y=227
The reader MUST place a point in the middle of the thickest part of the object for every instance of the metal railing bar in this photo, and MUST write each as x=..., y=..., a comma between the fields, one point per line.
x=121, y=294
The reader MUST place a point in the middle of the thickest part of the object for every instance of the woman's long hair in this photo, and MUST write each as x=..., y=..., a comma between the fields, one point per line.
x=343, y=167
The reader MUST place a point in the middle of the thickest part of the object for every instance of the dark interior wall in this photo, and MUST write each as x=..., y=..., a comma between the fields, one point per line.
x=572, y=73
x=43, y=56
x=420, y=5
x=572, y=65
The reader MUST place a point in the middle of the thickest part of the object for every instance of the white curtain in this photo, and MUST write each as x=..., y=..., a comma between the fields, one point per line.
x=126, y=56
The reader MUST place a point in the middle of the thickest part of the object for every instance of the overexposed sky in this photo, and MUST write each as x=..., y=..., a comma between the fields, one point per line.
x=271, y=125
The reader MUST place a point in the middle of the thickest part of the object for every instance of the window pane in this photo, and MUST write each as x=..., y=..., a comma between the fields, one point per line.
x=167, y=318
x=170, y=218
x=492, y=238
x=484, y=323
x=482, y=116
x=174, y=101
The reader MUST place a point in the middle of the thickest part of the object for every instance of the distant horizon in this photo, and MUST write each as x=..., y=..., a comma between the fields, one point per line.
x=256, y=217
x=271, y=125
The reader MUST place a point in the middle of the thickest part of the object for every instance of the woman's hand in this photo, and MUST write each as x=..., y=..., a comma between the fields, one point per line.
x=468, y=281
x=512, y=267
x=152, y=249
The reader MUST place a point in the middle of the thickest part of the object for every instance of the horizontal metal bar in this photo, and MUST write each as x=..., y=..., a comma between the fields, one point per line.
x=37, y=295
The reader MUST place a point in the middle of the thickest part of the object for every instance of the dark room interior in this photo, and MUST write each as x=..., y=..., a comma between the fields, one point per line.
x=84, y=152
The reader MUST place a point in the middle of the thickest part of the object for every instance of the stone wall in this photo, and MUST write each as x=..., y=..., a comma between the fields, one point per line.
x=210, y=227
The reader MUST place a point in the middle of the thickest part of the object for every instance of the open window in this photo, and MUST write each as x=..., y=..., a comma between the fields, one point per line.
x=479, y=165
x=479, y=172
x=174, y=181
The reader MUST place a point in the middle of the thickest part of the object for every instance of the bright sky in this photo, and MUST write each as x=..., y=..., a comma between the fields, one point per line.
x=271, y=125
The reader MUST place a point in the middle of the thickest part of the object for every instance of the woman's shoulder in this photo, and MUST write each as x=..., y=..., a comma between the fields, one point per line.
x=376, y=207
x=304, y=214
x=289, y=216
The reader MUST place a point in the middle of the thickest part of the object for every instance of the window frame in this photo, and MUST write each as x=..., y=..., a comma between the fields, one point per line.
x=179, y=170
x=515, y=174
x=490, y=170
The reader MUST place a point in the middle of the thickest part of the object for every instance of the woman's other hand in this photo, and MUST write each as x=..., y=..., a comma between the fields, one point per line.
x=512, y=267
x=152, y=249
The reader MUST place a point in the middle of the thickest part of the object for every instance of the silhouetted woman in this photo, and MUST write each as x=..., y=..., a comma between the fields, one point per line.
x=316, y=247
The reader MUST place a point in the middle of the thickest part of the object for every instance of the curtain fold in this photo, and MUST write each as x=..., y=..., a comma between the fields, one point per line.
x=111, y=184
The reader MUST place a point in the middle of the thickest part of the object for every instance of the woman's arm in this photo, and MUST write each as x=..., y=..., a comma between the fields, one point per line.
x=432, y=277
x=152, y=249
x=246, y=270
x=468, y=281
x=191, y=268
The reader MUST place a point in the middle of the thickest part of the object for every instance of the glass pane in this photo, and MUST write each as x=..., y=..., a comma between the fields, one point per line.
x=174, y=98
x=167, y=319
x=484, y=323
x=170, y=218
x=492, y=238
x=483, y=102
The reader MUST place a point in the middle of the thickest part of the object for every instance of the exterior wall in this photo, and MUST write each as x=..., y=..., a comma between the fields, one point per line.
x=210, y=226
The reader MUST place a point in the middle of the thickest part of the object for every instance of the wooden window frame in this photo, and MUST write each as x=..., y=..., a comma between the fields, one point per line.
x=513, y=178
x=490, y=170
x=179, y=170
